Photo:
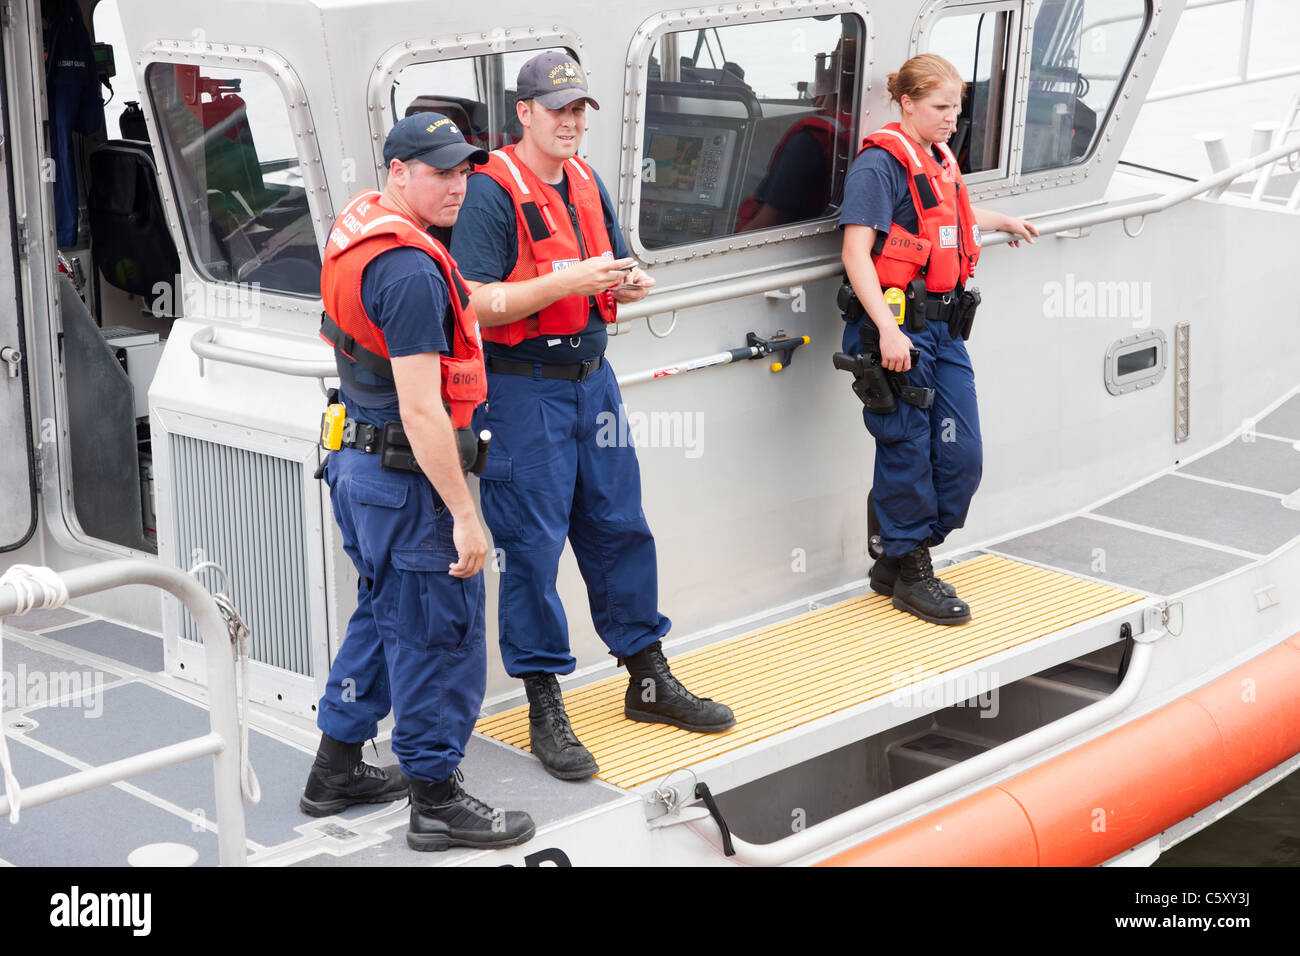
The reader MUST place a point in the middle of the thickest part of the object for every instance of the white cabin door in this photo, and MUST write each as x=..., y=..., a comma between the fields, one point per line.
x=17, y=471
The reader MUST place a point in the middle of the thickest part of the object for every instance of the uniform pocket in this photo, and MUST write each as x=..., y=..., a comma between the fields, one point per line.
x=499, y=498
x=435, y=610
x=905, y=423
x=371, y=491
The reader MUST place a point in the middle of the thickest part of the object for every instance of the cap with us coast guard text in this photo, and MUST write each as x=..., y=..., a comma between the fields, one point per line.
x=432, y=139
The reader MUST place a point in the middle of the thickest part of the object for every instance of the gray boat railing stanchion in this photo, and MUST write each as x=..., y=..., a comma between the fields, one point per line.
x=822, y=836
x=223, y=740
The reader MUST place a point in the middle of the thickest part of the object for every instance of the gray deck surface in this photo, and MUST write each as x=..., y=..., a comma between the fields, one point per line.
x=39, y=620
x=501, y=776
x=97, y=828
x=126, y=644
x=1265, y=463
x=1239, y=519
x=1123, y=556
x=1283, y=420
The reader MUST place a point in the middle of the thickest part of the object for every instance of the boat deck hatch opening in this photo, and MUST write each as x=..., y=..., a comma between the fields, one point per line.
x=818, y=664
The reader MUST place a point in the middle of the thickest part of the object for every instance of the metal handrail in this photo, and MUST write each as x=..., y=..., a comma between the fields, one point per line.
x=824, y=835
x=204, y=345
x=223, y=741
x=1148, y=207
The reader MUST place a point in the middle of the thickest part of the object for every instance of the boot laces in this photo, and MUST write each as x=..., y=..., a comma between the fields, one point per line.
x=552, y=704
x=665, y=678
x=459, y=795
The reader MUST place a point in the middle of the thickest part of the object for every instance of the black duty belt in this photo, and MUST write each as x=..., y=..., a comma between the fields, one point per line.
x=388, y=441
x=940, y=308
x=569, y=373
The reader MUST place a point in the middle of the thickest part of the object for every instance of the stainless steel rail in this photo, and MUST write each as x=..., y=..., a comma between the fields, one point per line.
x=822, y=836
x=205, y=346
x=223, y=741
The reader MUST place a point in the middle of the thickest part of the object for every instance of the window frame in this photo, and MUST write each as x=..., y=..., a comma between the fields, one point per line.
x=379, y=91
x=1015, y=181
x=1010, y=93
x=646, y=36
x=297, y=111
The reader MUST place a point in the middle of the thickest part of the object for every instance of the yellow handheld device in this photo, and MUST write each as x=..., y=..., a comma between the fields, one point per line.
x=331, y=427
x=897, y=302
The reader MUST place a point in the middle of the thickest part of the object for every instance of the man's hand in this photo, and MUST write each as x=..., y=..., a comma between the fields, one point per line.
x=643, y=282
x=471, y=547
x=593, y=276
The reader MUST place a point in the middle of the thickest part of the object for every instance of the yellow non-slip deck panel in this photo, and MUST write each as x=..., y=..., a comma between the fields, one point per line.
x=828, y=660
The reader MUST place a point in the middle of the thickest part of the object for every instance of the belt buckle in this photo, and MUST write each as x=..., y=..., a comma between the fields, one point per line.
x=588, y=366
x=947, y=298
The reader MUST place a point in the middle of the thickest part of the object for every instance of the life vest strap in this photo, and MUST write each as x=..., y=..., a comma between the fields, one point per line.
x=370, y=361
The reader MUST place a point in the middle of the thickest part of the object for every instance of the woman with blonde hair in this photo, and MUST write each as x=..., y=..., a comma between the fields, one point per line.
x=911, y=241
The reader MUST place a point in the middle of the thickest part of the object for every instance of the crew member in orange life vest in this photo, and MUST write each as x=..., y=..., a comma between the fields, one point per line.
x=799, y=183
x=540, y=249
x=905, y=208
x=399, y=318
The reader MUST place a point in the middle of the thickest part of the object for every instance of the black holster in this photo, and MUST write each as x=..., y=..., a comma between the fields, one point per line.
x=962, y=317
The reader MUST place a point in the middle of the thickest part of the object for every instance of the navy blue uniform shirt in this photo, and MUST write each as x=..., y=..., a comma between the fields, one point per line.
x=876, y=193
x=485, y=245
x=405, y=294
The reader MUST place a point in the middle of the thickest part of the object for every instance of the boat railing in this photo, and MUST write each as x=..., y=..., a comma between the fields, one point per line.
x=821, y=837
x=223, y=740
x=719, y=288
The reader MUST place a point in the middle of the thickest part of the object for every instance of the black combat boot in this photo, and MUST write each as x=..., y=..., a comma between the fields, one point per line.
x=656, y=696
x=443, y=815
x=919, y=592
x=339, y=779
x=550, y=736
x=884, y=573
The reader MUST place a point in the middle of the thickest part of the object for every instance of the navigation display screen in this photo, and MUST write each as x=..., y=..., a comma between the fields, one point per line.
x=677, y=160
x=688, y=163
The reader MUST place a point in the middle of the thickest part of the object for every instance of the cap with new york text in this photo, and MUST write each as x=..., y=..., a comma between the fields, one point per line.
x=555, y=80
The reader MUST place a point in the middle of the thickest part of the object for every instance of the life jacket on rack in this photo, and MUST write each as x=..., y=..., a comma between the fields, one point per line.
x=551, y=237
x=363, y=230
x=831, y=134
x=947, y=244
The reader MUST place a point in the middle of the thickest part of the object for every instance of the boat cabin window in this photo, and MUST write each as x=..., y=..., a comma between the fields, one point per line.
x=477, y=93
x=1081, y=51
x=232, y=153
x=747, y=127
x=980, y=42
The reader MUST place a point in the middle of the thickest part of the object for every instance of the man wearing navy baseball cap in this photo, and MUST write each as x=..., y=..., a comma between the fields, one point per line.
x=548, y=268
x=398, y=315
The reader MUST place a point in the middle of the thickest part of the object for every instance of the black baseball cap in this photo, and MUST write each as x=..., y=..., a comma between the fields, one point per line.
x=555, y=80
x=432, y=139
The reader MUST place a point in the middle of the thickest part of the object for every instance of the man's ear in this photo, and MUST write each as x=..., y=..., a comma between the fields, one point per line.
x=524, y=110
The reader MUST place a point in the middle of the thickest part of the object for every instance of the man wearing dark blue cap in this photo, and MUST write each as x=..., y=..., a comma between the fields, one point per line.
x=398, y=314
x=548, y=268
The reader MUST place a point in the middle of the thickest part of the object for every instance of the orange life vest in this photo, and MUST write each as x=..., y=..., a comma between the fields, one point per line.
x=947, y=244
x=363, y=230
x=832, y=135
x=548, y=241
